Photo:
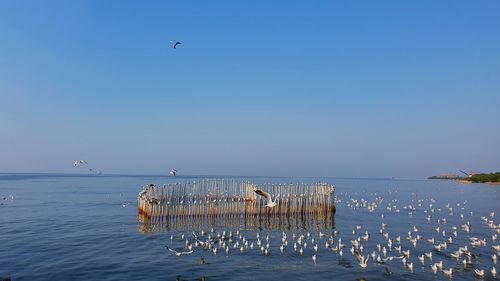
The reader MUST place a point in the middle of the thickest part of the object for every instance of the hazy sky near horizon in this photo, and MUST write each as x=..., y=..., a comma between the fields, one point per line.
x=305, y=88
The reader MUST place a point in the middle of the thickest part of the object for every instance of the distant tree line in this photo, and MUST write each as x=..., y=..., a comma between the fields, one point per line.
x=491, y=177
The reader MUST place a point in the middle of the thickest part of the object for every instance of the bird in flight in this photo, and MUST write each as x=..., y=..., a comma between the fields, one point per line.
x=179, y=253
x=468, y=174
x=173, y=172
x=363, y=262
x=270, y=203
x=175, y=44
x=78, y=162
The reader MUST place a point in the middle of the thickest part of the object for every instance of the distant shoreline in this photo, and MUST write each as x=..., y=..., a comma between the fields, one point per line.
x=487, y=182
x=466, y=181
x=490, y=178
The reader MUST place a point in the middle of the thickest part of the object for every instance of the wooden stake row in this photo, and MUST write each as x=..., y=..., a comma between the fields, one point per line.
x=234, y=199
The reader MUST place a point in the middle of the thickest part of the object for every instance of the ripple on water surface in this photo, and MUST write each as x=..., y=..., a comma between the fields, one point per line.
x=76, y=228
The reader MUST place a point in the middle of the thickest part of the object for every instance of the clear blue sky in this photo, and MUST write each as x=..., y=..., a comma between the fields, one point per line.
x=306, y=88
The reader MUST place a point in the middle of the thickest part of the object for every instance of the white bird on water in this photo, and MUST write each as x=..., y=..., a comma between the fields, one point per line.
x=479, y=272
x=448, y=272
x=410, y=266
x=173, y=172
x=270, y=203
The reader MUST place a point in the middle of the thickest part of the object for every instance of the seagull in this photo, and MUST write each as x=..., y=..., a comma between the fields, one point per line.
x=439, y=265
x=391, y=258
x=179, y=253
x=78, y=162
x=173, y=172
x=429, y=255
x=448, y=272
x=207, y=243
x=270, y=203
x=479, y=273
x=175, y=44
x=363, y=262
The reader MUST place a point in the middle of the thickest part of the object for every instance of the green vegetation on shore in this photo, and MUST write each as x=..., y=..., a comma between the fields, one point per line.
x=481, y=178
x=491, y=177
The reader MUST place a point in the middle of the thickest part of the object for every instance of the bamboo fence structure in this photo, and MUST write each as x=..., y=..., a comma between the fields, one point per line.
x=231, y=202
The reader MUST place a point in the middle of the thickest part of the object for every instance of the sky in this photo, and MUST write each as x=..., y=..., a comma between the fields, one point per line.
x=403, y=89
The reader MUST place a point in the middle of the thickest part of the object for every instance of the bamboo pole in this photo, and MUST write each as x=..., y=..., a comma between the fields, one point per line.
x=219, y=199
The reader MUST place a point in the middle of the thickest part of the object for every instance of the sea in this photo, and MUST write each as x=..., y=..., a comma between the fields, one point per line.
x=86, y=227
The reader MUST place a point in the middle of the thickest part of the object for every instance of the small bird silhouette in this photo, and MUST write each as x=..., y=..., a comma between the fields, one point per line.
x=175, y=44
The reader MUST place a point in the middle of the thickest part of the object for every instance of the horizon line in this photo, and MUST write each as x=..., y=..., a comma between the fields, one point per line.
x=202, y=175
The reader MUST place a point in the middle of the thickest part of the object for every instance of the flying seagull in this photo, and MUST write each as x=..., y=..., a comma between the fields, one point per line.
x=175, y=44
x=269, y=199
x=77, y=162
x=363, y=262
x=179, y=253
x=173, y=172
x=468, y=174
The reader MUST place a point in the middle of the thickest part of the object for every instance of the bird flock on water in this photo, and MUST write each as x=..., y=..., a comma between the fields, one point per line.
x=436, y=246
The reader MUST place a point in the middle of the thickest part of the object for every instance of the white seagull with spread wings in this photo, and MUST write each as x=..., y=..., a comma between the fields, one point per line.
x=78, y=162
x=179, y=253
x=270, y=203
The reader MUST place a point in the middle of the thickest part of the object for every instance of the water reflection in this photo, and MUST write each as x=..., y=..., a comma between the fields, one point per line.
x=325, y=222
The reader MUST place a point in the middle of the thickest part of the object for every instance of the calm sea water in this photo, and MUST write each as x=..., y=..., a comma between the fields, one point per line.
x=59, y=227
